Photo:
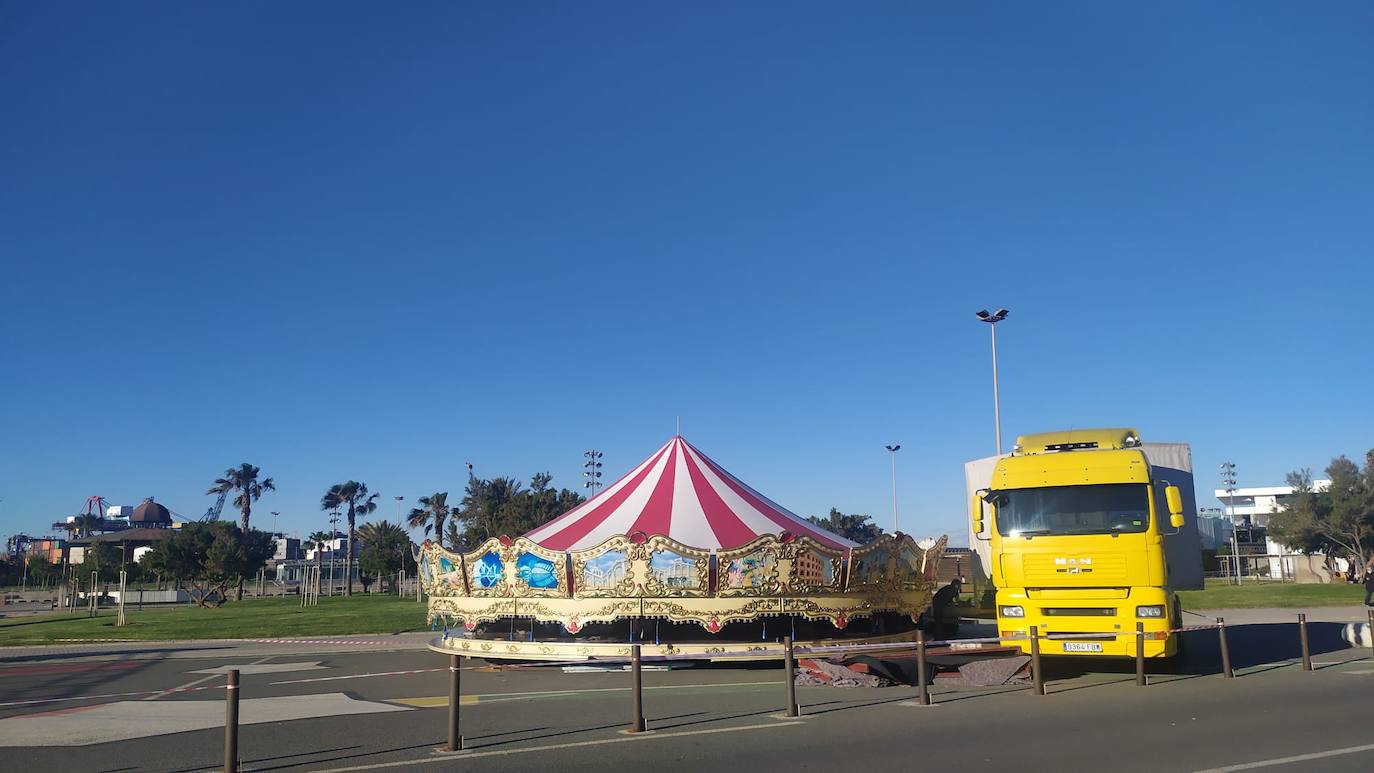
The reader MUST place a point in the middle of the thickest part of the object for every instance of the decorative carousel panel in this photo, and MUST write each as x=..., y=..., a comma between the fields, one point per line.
x=441, y=571
x=815, y=568
x=674, y=569
x=538, y=570
x=606, y=570
x=869, y=566
x=750, y=570
x=487, y=569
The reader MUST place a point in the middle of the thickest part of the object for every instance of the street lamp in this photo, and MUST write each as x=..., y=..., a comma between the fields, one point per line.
x=893, y=449
x=992, y=320
x=591, y=470
x=1228, y=482
x=274, y=523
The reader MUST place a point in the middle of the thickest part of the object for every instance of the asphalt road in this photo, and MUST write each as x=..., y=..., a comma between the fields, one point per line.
x=299, y=714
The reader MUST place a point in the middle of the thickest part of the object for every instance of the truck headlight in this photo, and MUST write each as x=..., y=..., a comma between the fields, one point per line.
x=1152, y=610
x=1011, y=611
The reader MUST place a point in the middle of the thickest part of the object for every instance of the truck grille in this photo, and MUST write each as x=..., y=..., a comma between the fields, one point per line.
x=1078, y=611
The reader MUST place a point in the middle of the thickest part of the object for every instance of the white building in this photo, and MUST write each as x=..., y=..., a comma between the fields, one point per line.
x=1252, y=507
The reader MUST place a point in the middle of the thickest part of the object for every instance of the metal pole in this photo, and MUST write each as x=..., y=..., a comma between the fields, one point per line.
x=1037, y=676
x=922, y=677
x=231, y=723
x=1370, y=631
x=1302, y=636
x=1225, y=650
x=1140, y=654
x=789, y=666
x=894, y=492
x=455, y=738
x=636, y=692
x=996, y=401
x=95, y=597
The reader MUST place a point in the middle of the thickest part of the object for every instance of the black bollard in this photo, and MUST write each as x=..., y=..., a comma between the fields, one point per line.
x=789, y=662
x=1225, y=650
x=636, y=692
x=1037, y=676
x=455, y=696
x=231, y=722
x=1302, y=637
x=922, y=676
x=1140, y=654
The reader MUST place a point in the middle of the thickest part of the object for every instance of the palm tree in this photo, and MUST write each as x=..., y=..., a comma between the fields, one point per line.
x=317, y=541
x=431, y=514
x=355, y=495
x=244, y=480
x=86, y=523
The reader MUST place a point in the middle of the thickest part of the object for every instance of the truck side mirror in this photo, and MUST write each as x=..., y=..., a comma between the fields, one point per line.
x=976, y=511
x=1174, y=498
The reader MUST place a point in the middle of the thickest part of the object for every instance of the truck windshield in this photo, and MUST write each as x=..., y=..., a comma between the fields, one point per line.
x=1100, y=509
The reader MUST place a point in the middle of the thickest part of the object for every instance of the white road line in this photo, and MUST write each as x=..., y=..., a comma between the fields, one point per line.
x=1369, y=747
x=155, y=696
x=654, y=736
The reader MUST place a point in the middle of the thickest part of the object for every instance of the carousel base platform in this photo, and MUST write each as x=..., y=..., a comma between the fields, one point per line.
x=589, y=651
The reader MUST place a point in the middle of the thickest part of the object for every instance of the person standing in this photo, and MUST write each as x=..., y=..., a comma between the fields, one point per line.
x=1369, y=587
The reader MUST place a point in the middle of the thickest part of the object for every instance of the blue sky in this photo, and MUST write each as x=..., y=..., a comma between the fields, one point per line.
x=358, y=241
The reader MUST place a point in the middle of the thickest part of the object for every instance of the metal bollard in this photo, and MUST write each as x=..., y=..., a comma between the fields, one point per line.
x=1302, y=637
x=1370, y=631
x=1140, y=654
x=1037, y=676
x=231, y=722
x=789, y=665
x=636, y=692
x=922, y=676
x=1225, y=650
x=455, y=697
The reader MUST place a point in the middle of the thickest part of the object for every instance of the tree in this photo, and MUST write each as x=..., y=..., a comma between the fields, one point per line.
x=102, y=559
x=84, y=524
x=359, y=502
x=204, y=559
x=1339, y=519
x=41, y=570
x=857, y=528
x=385, y=545
x=245, y=481
x=431, y=515
x=500, y=506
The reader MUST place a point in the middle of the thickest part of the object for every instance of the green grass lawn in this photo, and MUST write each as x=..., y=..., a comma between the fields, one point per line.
x=1219, y=595
x=251, y=618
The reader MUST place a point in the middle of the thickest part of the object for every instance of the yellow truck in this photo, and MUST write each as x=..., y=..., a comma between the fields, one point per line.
x=1086, y=533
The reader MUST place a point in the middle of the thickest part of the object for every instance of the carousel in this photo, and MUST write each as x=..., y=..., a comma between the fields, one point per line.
x=681, y=557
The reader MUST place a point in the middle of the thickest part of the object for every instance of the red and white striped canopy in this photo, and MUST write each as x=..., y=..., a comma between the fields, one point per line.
x=678, y=492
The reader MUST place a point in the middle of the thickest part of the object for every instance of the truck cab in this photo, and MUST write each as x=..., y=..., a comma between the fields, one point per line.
x=1077, y=523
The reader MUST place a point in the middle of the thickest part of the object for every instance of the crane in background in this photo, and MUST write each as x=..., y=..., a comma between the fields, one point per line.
x=218, y=507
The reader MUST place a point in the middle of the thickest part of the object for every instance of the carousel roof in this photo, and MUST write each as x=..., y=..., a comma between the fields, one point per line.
x=680, y=493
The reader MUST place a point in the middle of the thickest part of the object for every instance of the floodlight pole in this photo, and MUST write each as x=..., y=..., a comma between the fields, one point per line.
x=892, y=451
x=992, y=320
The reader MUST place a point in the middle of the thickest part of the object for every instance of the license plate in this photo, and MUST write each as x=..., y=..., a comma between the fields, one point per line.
x=1082, y=646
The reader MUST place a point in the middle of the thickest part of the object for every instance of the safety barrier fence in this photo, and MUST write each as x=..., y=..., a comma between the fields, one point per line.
x=787, y=651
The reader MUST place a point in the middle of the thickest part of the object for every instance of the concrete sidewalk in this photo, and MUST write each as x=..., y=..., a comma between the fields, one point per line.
x=200, y=648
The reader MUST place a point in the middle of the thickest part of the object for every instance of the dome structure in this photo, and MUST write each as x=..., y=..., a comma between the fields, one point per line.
x=151, y=513
x=684, y=547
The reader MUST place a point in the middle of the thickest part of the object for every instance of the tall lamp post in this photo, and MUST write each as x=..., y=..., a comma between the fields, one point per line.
x=893, y=449
x=591, y=470
x=1228, y=482
x=992, y=320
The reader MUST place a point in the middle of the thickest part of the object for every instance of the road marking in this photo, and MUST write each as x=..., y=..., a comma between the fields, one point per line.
x=467, y=700
x=262, y=668
x=155, y=696
x=1369, y=747
x=65, y=668
x=123, y=721
x=655, y=736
